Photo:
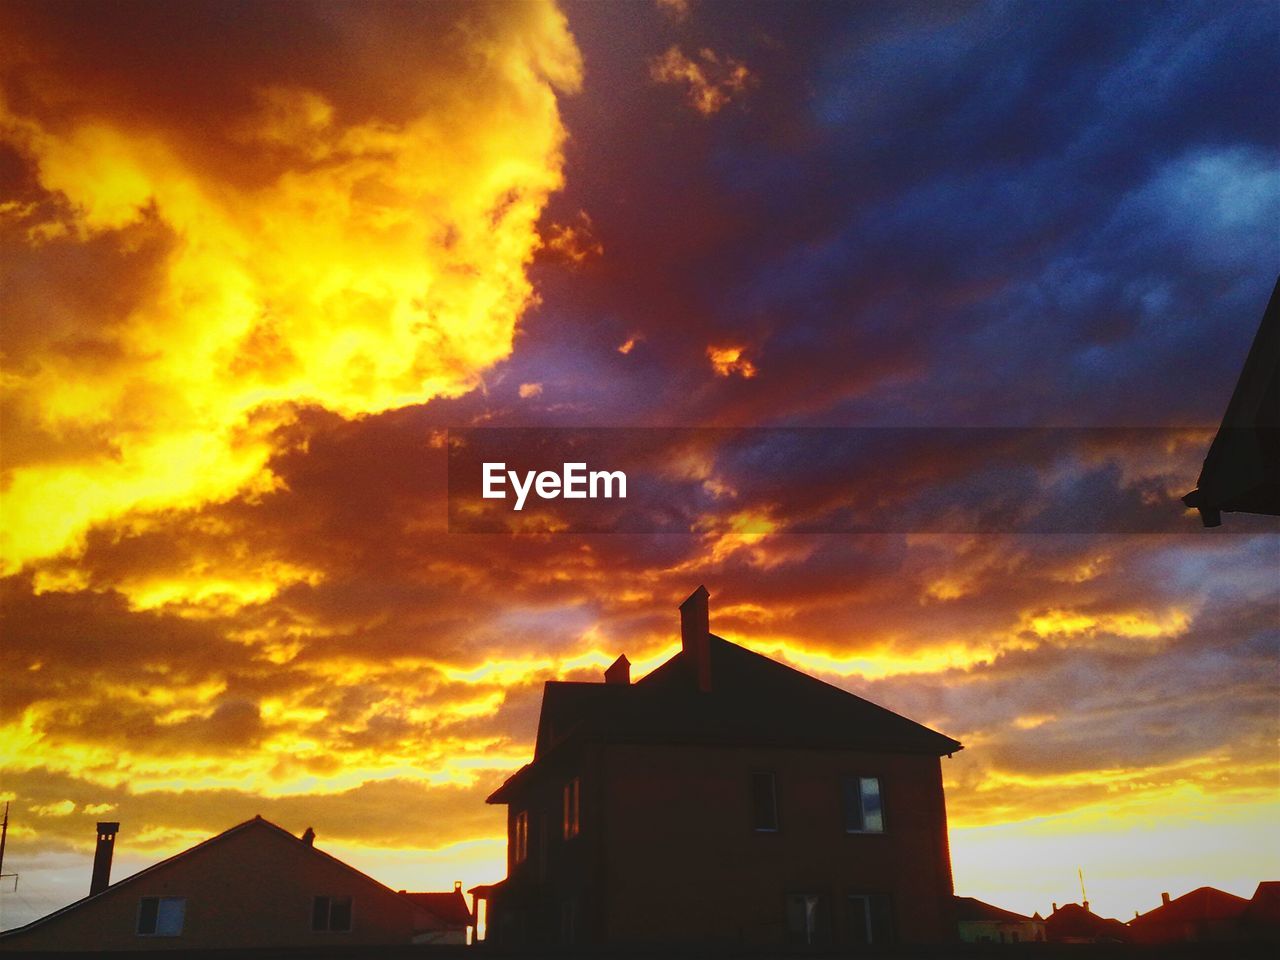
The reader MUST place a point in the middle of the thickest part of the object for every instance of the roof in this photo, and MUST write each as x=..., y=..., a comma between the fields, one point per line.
x=257, y=823
x=971, y=908
x=1072, y=921
x=1242, y=468
x=450, y=907
x=753, y=700
x=1204, y=903
x=1264, y=908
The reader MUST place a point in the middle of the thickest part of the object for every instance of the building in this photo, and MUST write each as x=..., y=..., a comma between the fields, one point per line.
x=980, y=922
x=1076, y=923
x=1203, y=915
x=1241, y=471
x=253, y=886
x=724, y=798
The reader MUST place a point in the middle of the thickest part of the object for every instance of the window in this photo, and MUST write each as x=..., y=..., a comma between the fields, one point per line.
x=161, y=916
x=331, y=914
x=520, y=837
x=807, y=918
x=764, y=802
x=572, y=808
x=870, y=919
x=863, y=811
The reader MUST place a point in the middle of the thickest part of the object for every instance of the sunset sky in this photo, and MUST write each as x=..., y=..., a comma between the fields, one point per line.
x=257, y=258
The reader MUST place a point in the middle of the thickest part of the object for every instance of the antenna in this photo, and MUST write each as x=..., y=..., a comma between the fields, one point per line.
x=4, y=835
x=1084, y=897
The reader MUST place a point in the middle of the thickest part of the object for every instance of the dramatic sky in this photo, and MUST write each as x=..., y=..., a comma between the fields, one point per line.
x=257, y=259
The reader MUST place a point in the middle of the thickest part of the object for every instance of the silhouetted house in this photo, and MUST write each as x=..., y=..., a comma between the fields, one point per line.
x=1242, y=469
x=1260, y=919
x=1206, y=914
x=1075, y=923
x=255, y=885
x=723, y=798
x=980, y=922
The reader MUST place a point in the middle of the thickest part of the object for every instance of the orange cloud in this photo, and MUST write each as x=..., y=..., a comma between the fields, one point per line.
x=712, y=82
x=376, y=261
x=726, y=361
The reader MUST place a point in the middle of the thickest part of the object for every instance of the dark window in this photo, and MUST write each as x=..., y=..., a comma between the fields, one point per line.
x=870, y=917
x=764, y=802
x=863, y=810
x=520, y=837
x=807, y=919
x=161, y=916
x=572, y=808
x=331, y=914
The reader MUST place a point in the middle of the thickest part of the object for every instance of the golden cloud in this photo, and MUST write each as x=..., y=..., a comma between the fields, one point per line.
x=359, y=261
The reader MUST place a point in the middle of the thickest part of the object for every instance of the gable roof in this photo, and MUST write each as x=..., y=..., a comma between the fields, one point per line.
x=257, y=823
x=971, y=908
x=1077, y=922
x=1241, y=471
x=1203, y=903
x=450, y=907
x=753, y=700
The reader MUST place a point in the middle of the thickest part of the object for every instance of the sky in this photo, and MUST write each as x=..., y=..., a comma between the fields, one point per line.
x=256, y=260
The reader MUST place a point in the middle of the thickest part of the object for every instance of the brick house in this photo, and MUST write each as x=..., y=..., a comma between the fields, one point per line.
x=253, y=886
x=724, y=798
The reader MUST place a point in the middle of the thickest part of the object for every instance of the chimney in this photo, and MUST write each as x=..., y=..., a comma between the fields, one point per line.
x=309, y=837
x=695, y=635
x=457, y=886
x=1055, y=908
x=1164, y=899
x=619, y=672
x=102, y=858
x=1085, y=904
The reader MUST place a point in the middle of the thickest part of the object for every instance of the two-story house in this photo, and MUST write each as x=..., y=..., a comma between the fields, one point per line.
x=724, y=798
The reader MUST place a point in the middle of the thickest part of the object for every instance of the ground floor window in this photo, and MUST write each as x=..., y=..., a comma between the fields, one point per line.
x=807, y=920
x=161, y=916
x=331, y=914
x=870, y=919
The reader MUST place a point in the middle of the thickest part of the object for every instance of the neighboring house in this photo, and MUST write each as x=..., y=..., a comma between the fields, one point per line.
x=1261, y=917
x=980, y=922
x=723, y=798
x=450, y=909
x=1242, y=469
x=255, y=885
x=1206, y=914
x=1075, y=923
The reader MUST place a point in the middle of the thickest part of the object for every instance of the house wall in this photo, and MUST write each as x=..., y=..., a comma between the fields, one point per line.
x=253, y=888
x=685, y=864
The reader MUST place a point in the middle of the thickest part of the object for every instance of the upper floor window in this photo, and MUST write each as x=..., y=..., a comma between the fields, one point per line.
x=572, y=808
x=161, y=916
x=331, y=914
x=863, y=811
x=520, y=837
x=764, y=802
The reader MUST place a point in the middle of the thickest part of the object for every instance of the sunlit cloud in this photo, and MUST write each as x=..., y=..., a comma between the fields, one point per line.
x=712, y=81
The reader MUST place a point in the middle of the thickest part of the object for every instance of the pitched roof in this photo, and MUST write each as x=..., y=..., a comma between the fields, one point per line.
x=1204, y=903
x=1242, y=468
x=753, y=699
x=1075, y=922
x=1264, y=908
x=450, y=907
x=971, y=908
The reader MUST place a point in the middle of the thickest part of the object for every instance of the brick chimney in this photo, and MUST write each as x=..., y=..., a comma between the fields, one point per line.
x=695, y=636
x=1164, y=899
x=102, y=857
x=619, y=672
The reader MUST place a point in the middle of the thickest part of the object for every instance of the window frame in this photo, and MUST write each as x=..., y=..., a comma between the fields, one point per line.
x=572, y=808
x=870, y=914
x=773, y=802
x=520, y=838
x=155, y=931
x=329, y=901
x=857, y=781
